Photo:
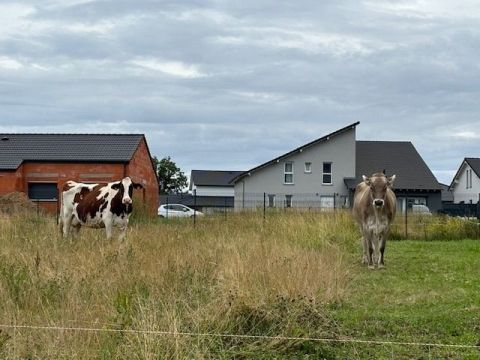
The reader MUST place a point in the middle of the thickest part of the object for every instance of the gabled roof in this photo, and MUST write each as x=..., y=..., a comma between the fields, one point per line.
x=474, y=163
x=213, y=177
x=395, y=157
x=297, y=150
x=17, y=148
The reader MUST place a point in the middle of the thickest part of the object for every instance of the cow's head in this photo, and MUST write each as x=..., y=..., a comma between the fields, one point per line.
x=378, y=183
x=125, y=187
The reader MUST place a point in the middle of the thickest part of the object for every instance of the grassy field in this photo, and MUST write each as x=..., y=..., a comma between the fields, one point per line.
x=292, y=275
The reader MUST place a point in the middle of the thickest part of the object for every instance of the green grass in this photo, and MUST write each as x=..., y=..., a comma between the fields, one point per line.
x=429, y=293
x=295, y=275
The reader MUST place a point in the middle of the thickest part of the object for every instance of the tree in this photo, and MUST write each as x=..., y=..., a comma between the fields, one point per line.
x=170, y=177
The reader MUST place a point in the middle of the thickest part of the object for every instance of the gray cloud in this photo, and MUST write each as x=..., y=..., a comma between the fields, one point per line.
x=228, y=85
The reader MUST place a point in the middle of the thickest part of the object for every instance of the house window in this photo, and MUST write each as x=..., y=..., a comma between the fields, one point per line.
x=288, y=201
x=308, y=167
x=271, y=200
x=327, y=173
x=469, y=179
x=42, y=191
x=288, y=176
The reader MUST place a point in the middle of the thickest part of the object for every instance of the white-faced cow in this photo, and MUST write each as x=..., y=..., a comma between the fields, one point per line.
x=97, y=206
x=374, y=209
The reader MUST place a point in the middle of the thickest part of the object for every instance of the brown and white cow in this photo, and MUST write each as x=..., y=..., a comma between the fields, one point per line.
x=374, y=209
x=97, y=206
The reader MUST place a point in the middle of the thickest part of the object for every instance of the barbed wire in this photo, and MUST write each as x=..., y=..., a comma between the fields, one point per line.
x=238, y=336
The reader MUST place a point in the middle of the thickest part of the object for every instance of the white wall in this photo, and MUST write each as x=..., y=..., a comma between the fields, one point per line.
x=339, y=150
x=460, y=191
x=214, y=190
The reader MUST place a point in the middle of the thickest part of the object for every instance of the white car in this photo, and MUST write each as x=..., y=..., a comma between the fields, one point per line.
x=177, y=210
x=421, y=209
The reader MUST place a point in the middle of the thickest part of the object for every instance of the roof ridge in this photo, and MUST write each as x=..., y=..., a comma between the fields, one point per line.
x=89, y=134
x=298, y=149
x=387, y=141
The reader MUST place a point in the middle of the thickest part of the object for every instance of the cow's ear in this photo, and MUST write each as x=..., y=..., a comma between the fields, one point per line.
x=137, y=185
x=116, y=186
x=366, y=180
x=391, y=180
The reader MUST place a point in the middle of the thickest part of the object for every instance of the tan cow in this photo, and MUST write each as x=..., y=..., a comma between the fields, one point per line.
x=374, y=209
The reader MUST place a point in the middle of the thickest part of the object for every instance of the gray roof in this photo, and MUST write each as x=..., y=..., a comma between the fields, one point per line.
x=17, y=148
x=297, y=150
x=474, y=164
x=395, y=157
x=213, y=177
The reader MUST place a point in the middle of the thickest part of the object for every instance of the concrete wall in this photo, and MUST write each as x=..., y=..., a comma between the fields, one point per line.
x=339, y=150
x=460, y=191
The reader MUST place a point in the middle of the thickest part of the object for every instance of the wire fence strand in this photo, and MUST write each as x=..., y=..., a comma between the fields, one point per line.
x=238, y=336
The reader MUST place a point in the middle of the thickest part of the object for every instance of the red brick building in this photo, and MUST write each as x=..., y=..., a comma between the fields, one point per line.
x=39, y=164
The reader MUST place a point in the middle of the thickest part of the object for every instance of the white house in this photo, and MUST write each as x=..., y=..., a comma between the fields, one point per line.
x=324, y=173
x=213, y=183
x=466, y=183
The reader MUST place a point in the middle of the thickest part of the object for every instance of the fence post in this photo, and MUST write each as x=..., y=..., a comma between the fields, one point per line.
x=264, y=205
x=406, y=217
x=166, y=217
x=225, y=207
x=194, y=207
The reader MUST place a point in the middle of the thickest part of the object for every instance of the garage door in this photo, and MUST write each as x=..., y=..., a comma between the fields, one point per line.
x=327, y=202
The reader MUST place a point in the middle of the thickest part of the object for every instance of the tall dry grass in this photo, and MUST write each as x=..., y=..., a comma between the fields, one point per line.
x=241, y=276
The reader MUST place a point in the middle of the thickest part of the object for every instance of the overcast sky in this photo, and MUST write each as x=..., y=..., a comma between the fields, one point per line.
x=231, y=84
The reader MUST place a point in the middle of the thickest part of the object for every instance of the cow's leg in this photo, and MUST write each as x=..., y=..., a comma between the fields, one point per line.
x=376, y=247
x=383, y=241
x=67, y=221
x=108, y=227
x=123, y=233
x=369, y=242
x=76, y=230
x=365, y=248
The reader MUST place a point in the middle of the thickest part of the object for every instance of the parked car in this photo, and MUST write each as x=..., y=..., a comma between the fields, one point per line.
x=177, y=210
x=421, y=209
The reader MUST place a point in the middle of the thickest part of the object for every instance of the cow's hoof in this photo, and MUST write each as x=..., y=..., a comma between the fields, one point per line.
x=381, y=266
x=371, y=267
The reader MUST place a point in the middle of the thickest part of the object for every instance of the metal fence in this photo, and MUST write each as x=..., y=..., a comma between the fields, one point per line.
x=455, y=221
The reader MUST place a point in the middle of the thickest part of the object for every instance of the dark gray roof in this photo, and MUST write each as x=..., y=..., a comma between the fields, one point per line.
x=17, y=148
x=213, y=177
x=299, y=149
x=395, y=157
x=474, y=164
